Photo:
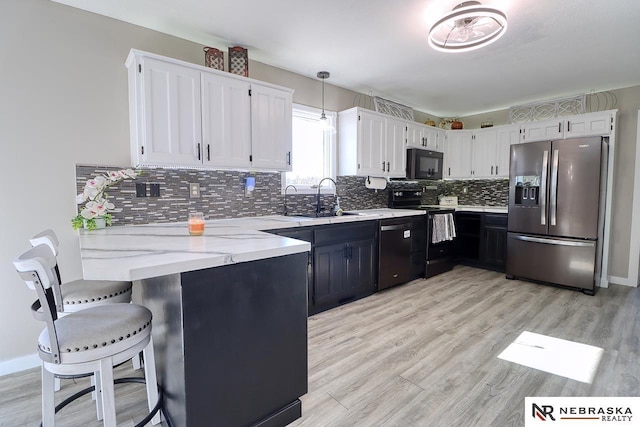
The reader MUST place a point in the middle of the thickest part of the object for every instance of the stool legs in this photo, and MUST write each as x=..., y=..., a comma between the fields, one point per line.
x=106, y=390
x=48, y=403
x=151, y=380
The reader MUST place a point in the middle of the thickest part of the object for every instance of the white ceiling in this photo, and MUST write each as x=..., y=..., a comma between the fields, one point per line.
x=552, y=48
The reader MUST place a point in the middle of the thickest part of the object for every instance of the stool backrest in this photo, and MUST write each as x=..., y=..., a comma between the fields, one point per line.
x=48, y=237
x=36, y=267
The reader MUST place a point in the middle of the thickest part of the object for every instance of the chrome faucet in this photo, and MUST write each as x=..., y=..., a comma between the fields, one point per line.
x=318, y=201
x=284, y=200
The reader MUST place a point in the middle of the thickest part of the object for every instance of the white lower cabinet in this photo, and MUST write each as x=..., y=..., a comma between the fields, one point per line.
x=183, y=114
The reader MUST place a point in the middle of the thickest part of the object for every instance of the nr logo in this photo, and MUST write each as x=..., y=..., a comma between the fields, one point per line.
x=542, y=412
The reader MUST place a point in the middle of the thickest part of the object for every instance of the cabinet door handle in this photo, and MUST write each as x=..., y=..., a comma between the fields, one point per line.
x=208, y=152
x=199, y=157
x=289, y=158
x=496, y=169
x=449, y=171
x=388, y=167
x=559, y=127
x=568, y=126
x=382, y=166
x=491, y=170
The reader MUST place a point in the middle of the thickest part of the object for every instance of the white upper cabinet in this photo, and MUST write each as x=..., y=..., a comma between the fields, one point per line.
x=592, y=124
x=484, y=153
x=457, y=154
x=506, y=135
x=226, y=121
x=415, y=135
x=426, y=137
x=184, y=114
x=395, y=154
x=271, y=128
x=544, y=130
x=371, y=144
x=169, y=120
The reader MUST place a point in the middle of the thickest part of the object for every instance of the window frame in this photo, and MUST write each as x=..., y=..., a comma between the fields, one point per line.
x=330, y=150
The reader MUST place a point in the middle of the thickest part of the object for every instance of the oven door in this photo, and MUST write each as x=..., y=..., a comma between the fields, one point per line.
x=424, y=164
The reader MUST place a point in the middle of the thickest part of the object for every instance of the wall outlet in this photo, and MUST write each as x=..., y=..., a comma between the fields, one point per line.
x=194, y=190
x=154, y=190
x=141, y=189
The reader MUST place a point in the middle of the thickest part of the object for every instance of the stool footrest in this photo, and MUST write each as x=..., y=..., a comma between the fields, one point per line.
x=89, y=389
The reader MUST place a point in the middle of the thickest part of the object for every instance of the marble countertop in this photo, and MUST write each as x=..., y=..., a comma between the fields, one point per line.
x=470, y=208
x=143, y=251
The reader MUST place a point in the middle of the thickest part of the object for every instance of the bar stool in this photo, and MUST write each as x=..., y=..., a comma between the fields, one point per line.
x=87, y=341
x=80, y=294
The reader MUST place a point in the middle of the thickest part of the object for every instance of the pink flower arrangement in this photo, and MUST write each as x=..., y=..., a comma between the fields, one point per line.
x=97, y=200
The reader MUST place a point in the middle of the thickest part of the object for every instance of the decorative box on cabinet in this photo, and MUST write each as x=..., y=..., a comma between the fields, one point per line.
x=183, y=114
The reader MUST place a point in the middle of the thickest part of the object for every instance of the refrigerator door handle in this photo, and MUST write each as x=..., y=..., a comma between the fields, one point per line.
x=556, y=242
x=553, y=198
x=543, y=188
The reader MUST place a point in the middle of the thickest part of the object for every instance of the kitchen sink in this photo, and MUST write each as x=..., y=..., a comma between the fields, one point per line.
x=323, y=214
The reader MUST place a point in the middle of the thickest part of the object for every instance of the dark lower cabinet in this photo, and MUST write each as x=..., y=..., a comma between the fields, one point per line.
x=418, y=246
x=482, y=239
x=345, y=264
x=494, y=241
x=305, y=234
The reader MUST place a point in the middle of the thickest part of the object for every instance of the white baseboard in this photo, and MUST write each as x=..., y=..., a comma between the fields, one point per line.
x=19, y=364
x=625, y=281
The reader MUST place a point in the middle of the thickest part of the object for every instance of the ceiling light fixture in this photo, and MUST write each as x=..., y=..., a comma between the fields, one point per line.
x=469, y=26
x=324, y=121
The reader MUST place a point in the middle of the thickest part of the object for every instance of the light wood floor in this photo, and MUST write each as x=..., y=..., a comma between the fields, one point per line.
x=422, y=354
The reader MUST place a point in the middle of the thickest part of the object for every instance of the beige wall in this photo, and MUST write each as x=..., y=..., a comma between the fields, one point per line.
x=63, y=101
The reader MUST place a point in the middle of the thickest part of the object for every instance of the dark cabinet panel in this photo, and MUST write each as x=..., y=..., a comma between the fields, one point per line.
x=329, y=271
x=494, y=241
x=305, y=234
x=362, y=266
x=418, y=246
x=482, y=239
x=345, y=264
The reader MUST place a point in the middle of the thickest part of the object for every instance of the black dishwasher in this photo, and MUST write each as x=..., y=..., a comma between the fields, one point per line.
x=394, y=252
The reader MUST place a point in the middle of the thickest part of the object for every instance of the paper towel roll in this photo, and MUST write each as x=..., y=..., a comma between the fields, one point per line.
x=375, y=183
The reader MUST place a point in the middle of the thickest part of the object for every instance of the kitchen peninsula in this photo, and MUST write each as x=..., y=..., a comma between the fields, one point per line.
x=229, y=311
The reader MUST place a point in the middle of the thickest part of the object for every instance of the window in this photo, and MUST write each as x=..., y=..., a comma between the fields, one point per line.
x=313, y=152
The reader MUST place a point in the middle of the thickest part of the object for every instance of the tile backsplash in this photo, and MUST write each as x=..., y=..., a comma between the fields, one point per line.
x=222, y=194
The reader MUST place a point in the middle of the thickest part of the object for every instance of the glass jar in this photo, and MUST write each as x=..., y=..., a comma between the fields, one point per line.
x=196, y=223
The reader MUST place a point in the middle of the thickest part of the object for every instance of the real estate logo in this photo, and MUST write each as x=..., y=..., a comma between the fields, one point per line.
x=582, y=411
x=542, y=412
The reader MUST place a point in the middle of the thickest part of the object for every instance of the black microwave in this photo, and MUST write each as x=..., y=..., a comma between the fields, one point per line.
x=424, y=164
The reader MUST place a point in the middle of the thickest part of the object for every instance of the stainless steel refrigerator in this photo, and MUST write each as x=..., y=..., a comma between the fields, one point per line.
x=556, y=211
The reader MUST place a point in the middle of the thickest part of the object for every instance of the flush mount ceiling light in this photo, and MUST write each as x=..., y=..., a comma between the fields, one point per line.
x=469, y=26
x=324, y=122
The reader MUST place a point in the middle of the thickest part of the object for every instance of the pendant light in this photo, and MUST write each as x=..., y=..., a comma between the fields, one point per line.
x=325, y=123
x=469, y=26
